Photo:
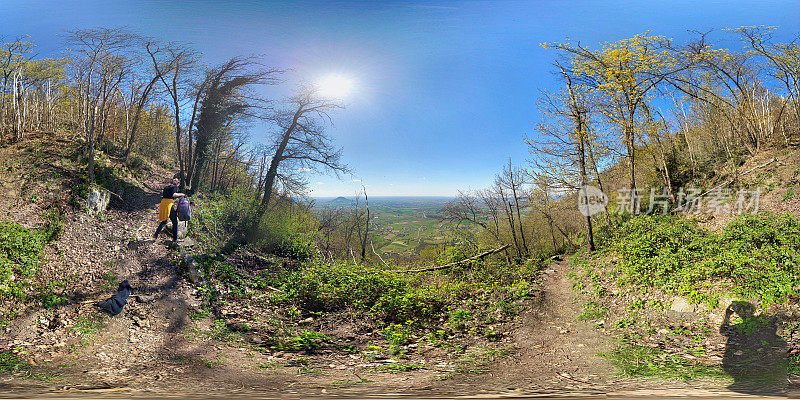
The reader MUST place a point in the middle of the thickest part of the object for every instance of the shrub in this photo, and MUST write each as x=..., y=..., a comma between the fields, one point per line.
x=754, y=256
x=385, y=294
x=19, y=254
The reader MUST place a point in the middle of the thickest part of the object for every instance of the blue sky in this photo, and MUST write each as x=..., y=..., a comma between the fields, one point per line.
x=444, y=91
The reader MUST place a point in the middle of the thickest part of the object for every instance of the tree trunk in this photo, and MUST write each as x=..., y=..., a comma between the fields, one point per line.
x=272, y=172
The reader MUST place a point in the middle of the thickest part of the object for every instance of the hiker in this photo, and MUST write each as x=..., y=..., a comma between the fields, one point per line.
x=166, y=209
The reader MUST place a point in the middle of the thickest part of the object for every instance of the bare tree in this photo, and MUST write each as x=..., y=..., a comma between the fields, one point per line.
x=515, y=180
x=302, y=141
x=174, y=65
x=140, y=91
x=99, y=61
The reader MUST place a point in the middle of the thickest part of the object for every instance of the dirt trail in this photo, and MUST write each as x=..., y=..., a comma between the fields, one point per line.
x=552, y=350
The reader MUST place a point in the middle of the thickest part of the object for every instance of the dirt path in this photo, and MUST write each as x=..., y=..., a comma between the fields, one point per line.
x=552, y=350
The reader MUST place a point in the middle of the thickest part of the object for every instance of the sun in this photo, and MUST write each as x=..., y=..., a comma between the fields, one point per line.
x=335, y=86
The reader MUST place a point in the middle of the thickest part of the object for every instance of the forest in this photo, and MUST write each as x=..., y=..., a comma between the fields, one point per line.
x=286, y=284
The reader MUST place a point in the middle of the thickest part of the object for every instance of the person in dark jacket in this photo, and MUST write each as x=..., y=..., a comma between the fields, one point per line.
x=167, y=211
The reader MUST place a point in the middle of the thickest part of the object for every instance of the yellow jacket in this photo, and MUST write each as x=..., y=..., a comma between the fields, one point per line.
x=164, y=209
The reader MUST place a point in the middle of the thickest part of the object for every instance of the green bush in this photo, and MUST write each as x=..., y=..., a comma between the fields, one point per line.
x=303, y=341
x=287, y=228
x=19, y=255
x=755, y=256
x=387, y=295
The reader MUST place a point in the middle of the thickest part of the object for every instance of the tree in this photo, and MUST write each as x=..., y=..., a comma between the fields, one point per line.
x=562, y=153
x=727, y=83
x=140, y=93
x=623, y=75
x=13, y=58
x=99, y=62
x=514, y=180
x=301, y=142
x=783, y=65
x=174, y=65
x=225, y=98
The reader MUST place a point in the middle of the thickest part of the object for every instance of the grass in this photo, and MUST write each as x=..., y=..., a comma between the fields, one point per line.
x=10, y=363
x=89, y=324
x=635, y=360
x=339, y=383
x=593, y=310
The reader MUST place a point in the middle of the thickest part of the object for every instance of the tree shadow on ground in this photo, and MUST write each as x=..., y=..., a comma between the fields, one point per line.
x=755, y=355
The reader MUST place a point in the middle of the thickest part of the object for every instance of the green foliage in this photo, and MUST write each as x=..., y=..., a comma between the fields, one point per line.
x=9, y=363
x=794, y=365
x=304, y=341
x=89, y=324
x=387, y=295
x=754, y=256
x=644, y=361
x=593, y=310
x=398, y=334
x=400, y=367
x=20, y=249
x=287, y=230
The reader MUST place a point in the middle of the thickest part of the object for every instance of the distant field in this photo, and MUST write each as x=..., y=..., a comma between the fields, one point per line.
x=403, y=225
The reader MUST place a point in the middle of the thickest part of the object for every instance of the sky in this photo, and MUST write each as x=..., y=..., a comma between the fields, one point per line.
x=444, y=91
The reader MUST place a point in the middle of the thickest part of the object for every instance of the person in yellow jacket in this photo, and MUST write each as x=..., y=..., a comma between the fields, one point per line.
x=166, y=211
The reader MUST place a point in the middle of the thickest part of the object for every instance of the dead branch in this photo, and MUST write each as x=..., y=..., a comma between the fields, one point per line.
x=479, y=256
x=376, y=253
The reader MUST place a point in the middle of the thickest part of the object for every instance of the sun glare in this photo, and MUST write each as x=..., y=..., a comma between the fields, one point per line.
x=335, y=86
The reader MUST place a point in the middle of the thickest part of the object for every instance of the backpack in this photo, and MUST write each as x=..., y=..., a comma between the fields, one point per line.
x=184, y=209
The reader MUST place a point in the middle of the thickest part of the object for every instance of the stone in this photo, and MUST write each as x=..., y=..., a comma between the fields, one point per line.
x=183, y=228
x=194, y=273
x=97, y=201
x=680, y=304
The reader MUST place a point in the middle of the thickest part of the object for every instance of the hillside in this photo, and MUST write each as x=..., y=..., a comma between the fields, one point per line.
x=172, y=335
x=231, y=330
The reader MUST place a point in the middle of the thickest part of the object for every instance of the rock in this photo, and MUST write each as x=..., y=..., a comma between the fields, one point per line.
x=680, y=304
x=725, y=302
x=97, y=200
x=142, y=298
x=143, y=323
x=183, y=228
x=194, y=273
x=307, y=321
